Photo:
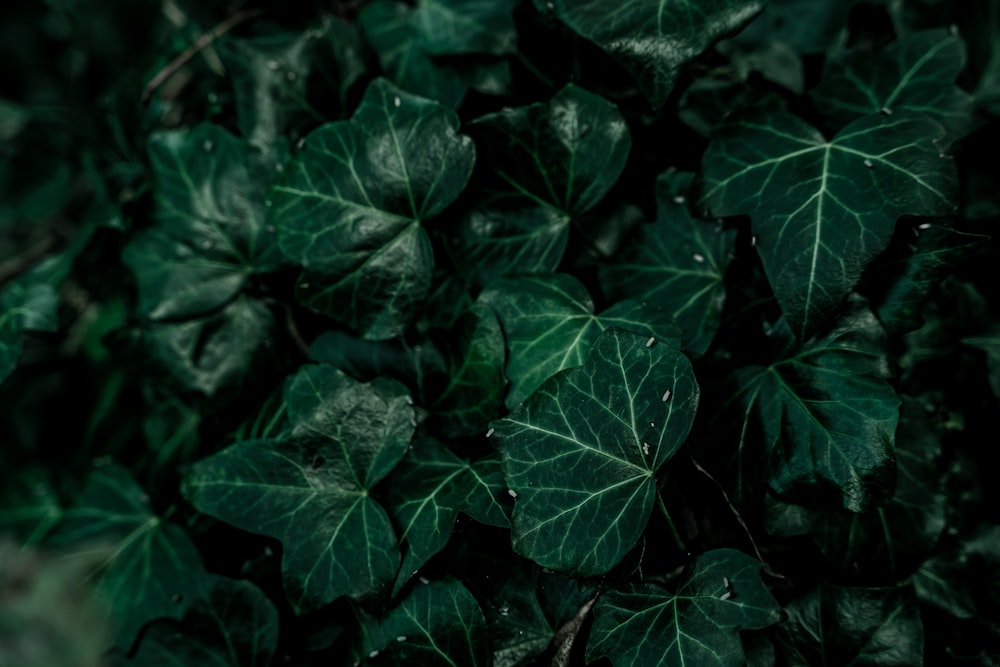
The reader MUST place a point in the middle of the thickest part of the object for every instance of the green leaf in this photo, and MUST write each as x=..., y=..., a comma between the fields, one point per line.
x=864, y=627
x=822, y=210
x=459, y=27
x=916, y=73
x=676, y=263
x=211, y=233
x=804, y=25
x=654, y=39
x=543, y=165
x=215, y=352
x=25, y=305
x=643, y=624
x=29, y=506
x=944, y=582
x=429, y=488
x=151, y=569
x=581, y=453
x=827, y=415
x=437, y=624
x=989, y=343
x=235, y=625
x=351, y=206
x=312, y=489
x=549, y=324
x=475, y=386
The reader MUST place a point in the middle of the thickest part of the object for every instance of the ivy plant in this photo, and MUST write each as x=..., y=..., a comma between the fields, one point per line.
x=499, y=333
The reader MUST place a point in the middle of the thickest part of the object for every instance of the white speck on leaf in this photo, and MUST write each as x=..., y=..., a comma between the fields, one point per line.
x=886, y=110
x=396, y=101
x=652, y=424
x=401, y=638
x=208, y=146
x=698, y=257
x=869, y=164
x=373, y=654
x=679, y=199
x=726, y=595
x=490, y=432
x=645, y=448
x=651, y=341
x=304, y=286
x=666, y=396
x=504, y=610
x=424, y=580
x=512, y=493
x=925, y=225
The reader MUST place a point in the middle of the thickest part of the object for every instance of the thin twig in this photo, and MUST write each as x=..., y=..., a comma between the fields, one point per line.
x=199, y=45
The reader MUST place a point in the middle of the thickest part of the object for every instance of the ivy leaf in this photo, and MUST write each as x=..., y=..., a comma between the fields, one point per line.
x=25, y=305
x=542, y=166
x=876, y=627
x=944, y=582
x=643, y=624
x=459, y=27
x=990, y=344
x=211, y=233
x=549, y=324
x=916, y=73
x=803, y=25
x=351, y=207
x=581, y=452
x=29, y=506
x=437, y=624
x=822, y=210
x=828, y=417
x=429, y=488
x=676, y=263
x=235, y=625
x=152, y=569
x=311, y=489
x=653, y=39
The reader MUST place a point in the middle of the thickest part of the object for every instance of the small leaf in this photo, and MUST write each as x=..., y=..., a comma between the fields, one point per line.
x=822, y=210
x=211, y=234
x=643, y=624
x=152, y=569
x=653, y=39
x=989, y=343
x=542, y=165
x=311, y=490
x=916, y=73
x=25, y=305
x=352, y=204
x=29, y=506
x=676, y=263
x=581, y=452
x=549, y=324
x=458, y=27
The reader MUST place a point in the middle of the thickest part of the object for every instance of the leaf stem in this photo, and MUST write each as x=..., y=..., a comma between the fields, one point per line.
x=670, y=522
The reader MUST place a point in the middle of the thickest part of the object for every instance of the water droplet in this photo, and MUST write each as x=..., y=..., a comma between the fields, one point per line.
x=291, y=76
x=651, y=341
x=490, y=432
x=868, y=163
x=698, y=257
x=396, y=101
x=886, y=111
x=666, y=396
x=401, y=638
x=207, y=146
x=512, y=493
x=273, y=65
x=679, y=199
x=652, y=424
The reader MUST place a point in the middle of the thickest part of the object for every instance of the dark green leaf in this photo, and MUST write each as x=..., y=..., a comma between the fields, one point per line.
x=943, y=582
x=211, y=233
x=152, y=569
x=549, y=324
x=828, y=415
x=916, y=73
x=643, y=624
x=543, y=165
x=676, y=263
x=234, y=626
x=311, y=490
x=29, y=507
x=861, y=627
x=214, y=352
x=351, y=208
x=804, y=25
x=989, y=343
x=822, y=210
x=580, y=454
x=458, y=27
x=427, y=491
x=25, y=305
x=653, y=39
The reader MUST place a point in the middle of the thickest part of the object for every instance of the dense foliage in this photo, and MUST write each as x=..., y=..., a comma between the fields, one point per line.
x=499, y=332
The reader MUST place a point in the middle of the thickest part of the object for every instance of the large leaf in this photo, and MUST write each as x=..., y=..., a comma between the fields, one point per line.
x=439, y=623
x=581, y=453
x=822, y=210
x=643, y=624
x=653, y=39
x=862, y=627
x=351, y=208
x=828, y=416
x=458, y=27
x=427, y=491
x=542, y=165
x=151, y=569
x=676, y=263
x=917, y=73
x=550, y=324
x=311, y=490
x=234, y=626
x=211, y=233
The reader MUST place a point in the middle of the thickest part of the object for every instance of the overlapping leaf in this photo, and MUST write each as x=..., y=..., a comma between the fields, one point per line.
x=643, y=624
x=311, y=489
x=581, y=453
x=827, y=415
x=542, y=165
x=550, y=324
x=150, y=568
x=29, y=506
x=24, y=306
x=351, y=207
x=822, y=210
x=653, y=39
x=458, y=27
x=916, y=73
x=990, y=344
x=211, y=233
x=676, y=263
